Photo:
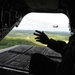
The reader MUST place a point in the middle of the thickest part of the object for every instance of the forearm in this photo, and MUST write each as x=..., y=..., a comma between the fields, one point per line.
x=56, y=45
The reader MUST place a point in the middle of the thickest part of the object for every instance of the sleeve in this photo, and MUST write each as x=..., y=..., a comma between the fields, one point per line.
x=56, y=45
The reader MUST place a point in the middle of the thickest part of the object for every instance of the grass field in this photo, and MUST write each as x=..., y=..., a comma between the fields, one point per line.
x=19, y=37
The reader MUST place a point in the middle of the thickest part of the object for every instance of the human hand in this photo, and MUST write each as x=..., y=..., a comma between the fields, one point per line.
x=41, y=37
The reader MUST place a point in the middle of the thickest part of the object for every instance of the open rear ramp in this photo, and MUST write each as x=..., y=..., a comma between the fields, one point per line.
x=17, y=59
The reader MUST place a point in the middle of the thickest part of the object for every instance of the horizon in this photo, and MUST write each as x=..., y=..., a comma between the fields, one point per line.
x=44, y=31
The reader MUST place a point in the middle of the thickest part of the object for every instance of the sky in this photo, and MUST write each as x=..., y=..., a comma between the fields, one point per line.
x=44, y=22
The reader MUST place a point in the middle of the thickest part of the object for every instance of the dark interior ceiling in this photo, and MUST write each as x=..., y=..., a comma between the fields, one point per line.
x=47, y=6
x=12, y=11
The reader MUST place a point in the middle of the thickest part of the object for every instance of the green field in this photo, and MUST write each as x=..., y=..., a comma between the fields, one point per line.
x=19, y=37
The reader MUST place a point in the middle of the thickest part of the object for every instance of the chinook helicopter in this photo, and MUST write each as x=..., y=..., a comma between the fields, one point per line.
x=11, y=14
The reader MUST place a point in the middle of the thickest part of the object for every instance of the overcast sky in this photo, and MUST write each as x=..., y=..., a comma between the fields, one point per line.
x=44, y=22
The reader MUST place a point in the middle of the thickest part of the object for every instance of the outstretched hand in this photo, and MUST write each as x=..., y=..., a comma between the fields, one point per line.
x=41, y=37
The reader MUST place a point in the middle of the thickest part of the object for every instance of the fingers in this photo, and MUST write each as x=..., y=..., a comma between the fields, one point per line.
x=36, y=34
x=38, y=31
x=41, y=33
x=37, y=38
